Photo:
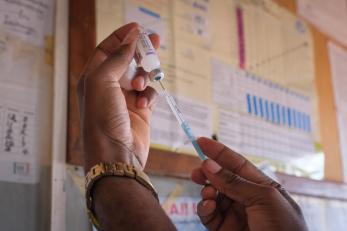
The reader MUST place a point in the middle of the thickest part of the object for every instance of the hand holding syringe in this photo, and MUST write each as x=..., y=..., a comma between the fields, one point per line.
x=147, y=58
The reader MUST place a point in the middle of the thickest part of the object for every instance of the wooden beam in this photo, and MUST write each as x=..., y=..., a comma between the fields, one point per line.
x=171, y=164
x=82, y=41
x=313, y=188
x=327, y=111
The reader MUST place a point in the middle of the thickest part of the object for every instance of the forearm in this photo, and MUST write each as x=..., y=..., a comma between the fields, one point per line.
x=123, y=204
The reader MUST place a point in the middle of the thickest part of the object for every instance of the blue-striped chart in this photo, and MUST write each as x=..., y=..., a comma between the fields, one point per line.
x=263, y=118
x=277, y=113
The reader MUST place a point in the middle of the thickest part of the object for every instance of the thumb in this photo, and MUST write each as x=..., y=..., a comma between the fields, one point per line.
x=233, y=186
x=118, y=62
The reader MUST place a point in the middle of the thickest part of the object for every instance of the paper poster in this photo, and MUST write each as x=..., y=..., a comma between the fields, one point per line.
x=342, y=129
x=338, y=63
x=109, y=16
x=18, y=135
x=229, y=129
x=192, y=68
x=335, y=214
x=25, y=88
x=26, y=19
x=191, y=22
x=314, y=212
x=224, y=84
x=260, y=117
x=167, y=132
x=288, y=58
x=153, y=19
x=182, y=211
x=223, y=39
x=275, y=122
x=328, y=16
x=20, y=61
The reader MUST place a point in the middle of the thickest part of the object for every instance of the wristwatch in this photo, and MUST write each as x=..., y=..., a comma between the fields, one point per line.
x=117, y=169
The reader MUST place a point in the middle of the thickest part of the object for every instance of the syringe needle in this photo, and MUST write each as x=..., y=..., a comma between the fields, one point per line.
x=162, y=86
x=183, y=123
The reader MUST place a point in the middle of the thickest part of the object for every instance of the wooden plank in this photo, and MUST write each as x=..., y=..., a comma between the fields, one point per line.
x=313, y=188
x=82, y=41
x=59, y=142
x=171, y=164
x=327, y=111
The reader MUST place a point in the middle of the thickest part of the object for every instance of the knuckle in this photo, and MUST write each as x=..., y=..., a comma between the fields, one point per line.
x=123, y=52
x=269, y=191
x=230, y=181
x=263, y=194
x=199, y=208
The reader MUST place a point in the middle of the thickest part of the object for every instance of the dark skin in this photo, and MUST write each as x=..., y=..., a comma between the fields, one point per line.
x=240, y=196
x=115, y=128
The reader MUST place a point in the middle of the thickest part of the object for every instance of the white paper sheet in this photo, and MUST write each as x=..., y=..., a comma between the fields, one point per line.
x=148, y=18
x=18, y=143
x=229, y=129
x=166, y=131
x=224, y=81
x=259, y=124
x=328, y=16
x=342, y=129
x=25, y=88
x=314, y=212
x=336, y=215
x=338, y=63
x=26, y=19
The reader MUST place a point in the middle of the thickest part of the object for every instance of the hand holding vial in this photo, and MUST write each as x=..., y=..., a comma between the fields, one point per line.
x=147, y=58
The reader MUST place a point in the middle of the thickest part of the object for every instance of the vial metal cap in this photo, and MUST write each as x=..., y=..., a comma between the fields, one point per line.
x=156, y=75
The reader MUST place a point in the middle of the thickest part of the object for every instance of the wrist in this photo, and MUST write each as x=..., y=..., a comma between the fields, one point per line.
x=109, y=172
x=98, y=147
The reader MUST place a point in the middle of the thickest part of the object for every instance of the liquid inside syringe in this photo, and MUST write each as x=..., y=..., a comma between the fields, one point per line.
x=183, y=123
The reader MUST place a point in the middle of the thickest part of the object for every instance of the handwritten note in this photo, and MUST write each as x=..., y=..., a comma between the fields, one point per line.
x=18, y=157
x=16, y=129
x=25, y=19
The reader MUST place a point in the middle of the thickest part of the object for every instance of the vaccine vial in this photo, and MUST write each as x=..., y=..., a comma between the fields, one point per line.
x=145, y=57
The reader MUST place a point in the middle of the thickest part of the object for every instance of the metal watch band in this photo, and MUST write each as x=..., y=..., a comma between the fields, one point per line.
x=118, y=169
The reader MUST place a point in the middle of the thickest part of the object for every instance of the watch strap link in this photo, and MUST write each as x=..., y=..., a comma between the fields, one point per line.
x=119, y=169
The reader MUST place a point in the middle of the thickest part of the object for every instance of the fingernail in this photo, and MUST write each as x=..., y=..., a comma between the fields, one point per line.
x=204, y=203
x=132, y=34
x=145, y=102
x=141, y=83
x=142, y=103
x=212, y=166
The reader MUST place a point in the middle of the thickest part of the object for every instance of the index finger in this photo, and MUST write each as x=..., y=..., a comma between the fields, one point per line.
x=108, y=46
x=232, y=161
x=112, y=43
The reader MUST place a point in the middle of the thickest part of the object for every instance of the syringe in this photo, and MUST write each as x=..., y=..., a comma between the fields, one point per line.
x=183, y=123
